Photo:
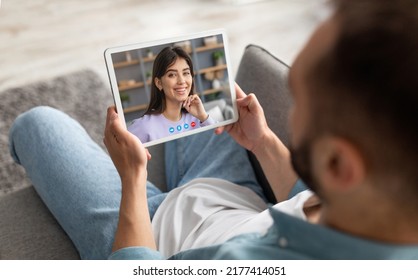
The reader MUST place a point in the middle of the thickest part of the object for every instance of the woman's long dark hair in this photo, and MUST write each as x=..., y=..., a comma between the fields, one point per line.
x=164, y=59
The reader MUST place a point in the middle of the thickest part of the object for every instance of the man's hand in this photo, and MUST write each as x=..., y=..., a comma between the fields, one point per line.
x=127, y=152
x=251, y=132
x=251, y=128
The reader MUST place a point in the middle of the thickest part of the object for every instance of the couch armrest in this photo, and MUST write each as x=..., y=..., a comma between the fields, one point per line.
x=266, y=76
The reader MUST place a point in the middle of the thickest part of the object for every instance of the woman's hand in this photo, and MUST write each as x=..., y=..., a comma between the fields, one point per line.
x=251, y=129
x=126, y=150
x=193, y=104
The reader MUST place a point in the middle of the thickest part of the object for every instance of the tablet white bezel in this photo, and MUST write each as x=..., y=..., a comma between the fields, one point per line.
x=116, y=94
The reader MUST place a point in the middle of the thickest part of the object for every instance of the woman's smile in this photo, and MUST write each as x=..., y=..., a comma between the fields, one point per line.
x=181, y=90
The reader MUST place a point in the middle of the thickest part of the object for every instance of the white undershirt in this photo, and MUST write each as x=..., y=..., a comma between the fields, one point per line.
x=209, y=211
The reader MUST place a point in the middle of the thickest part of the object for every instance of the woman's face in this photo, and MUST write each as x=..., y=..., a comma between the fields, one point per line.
x=177, y=81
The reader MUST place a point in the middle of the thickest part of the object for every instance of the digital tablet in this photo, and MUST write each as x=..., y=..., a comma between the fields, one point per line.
x=174, y=87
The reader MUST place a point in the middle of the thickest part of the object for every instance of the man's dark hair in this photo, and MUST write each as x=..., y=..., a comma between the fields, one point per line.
x=365, y=88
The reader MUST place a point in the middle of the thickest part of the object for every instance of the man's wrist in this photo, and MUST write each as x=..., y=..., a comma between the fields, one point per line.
x=266, y=141
x=132, y=182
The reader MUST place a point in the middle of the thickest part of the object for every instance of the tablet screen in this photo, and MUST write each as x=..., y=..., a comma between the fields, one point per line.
x=174, y=87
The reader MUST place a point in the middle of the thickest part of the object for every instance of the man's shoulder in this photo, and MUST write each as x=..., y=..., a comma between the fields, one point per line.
x=291, y=238
x=250, y=246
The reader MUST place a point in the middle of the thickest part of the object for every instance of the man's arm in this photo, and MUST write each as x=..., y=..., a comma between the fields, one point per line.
x=134, y=227
x=275, y=161
x=130, y=159
x=252, y=132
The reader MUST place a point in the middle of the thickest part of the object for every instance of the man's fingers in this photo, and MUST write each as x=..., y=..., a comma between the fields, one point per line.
x=114, y=129
x=249, y=101
x=239, y=92
x=109, y=110
x=244, y=100
x=221, y=129
x=148, y=154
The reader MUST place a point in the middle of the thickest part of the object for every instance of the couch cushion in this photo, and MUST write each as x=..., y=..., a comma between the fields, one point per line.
x=29, y=231
x=265, y=75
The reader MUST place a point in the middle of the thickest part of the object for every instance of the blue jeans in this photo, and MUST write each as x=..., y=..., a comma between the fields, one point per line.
x=78, y=182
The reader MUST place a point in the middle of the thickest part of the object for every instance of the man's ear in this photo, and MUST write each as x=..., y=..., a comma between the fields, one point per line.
x=338, y=163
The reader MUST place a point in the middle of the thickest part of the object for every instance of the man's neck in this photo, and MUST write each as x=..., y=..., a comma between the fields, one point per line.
x=312, y=209
x=390, y=227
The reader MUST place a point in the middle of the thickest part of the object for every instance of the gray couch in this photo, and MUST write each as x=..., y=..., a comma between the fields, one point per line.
x=29, y=231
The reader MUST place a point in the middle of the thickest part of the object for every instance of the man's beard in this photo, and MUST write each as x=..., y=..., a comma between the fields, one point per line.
x=302, y=164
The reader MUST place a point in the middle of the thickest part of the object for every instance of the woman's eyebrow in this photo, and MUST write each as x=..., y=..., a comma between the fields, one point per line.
x=175, y=70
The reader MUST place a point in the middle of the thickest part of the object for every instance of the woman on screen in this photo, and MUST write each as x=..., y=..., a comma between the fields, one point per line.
x=174, y=107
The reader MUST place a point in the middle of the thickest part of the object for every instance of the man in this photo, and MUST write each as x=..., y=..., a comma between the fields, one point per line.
x=353, y=141
x=353, y=134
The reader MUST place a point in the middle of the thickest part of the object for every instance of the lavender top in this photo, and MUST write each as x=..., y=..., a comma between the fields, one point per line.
x=156, y=126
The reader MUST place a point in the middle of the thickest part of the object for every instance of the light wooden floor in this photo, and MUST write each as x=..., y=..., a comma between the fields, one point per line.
x=45, y=38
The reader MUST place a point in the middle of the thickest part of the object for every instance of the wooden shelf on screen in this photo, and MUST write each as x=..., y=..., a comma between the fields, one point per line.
x=135, y=108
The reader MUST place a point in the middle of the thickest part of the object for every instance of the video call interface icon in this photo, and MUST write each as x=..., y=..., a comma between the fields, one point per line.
x=179, y=127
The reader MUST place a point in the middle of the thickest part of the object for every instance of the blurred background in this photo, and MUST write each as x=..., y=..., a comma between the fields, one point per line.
x=45, y=38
